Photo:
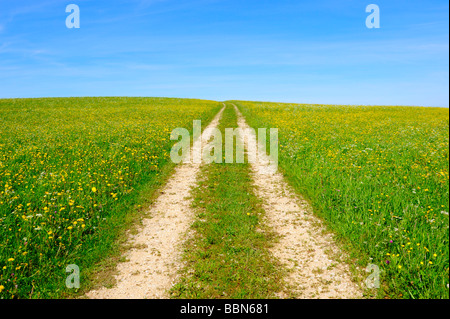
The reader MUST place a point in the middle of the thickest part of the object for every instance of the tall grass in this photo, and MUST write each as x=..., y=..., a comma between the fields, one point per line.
x=71, y=170
x=379, y=177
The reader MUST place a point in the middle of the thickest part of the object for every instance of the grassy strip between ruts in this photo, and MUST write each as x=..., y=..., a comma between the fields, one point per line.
x=227, y=255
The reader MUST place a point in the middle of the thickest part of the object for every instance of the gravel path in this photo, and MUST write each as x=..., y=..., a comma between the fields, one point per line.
x=303, y=248
x=151, y=266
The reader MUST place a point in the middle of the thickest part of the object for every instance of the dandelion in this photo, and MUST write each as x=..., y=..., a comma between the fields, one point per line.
x=94, y=189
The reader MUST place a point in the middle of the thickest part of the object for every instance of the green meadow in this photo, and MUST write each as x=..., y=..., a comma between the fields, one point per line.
x=72, y=172
x=76, y=173
x=378, y=176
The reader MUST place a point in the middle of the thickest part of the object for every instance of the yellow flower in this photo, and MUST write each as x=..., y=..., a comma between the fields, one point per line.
x=399, y=266
x=430, y=262
x=11, y=259
x=1, y=288
x=94, y=189
x=69, y=228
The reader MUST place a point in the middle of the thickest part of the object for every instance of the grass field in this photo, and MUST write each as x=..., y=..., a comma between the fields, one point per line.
x=379, y=177
x=73, y=172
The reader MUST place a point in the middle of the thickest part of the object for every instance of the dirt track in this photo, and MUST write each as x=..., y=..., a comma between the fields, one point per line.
x=151, y=267
x=303, y=248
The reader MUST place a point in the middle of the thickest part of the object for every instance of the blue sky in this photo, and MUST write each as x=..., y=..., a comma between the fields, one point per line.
x=279, y=50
